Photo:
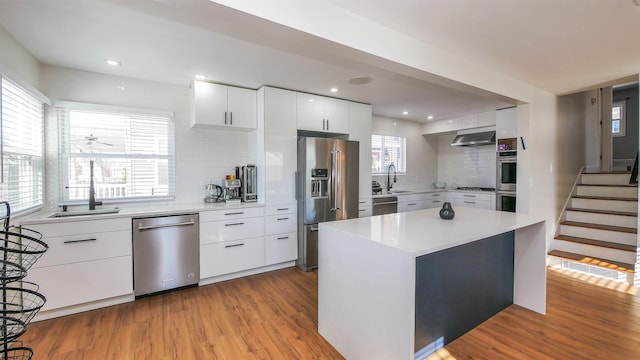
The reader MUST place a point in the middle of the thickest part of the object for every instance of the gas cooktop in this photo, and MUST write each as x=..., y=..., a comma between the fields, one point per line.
x=475, y=188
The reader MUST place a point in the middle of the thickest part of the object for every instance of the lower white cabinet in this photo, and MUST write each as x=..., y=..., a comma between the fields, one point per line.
x=83, y=282
x=365, y=207
x=412, y=205
x=86, y=261
x=231, y=256
x=281, y=248
x=473, y=200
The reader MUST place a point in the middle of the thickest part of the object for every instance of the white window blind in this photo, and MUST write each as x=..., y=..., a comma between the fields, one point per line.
x=387, y=150
x=618, y=119
x=21, y=148
x=133, y=152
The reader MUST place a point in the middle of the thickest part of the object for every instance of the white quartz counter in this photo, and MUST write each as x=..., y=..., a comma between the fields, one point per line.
x=161, y=209
x=423, y=232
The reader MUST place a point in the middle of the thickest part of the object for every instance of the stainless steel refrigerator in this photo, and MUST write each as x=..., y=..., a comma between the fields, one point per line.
x=327, y=190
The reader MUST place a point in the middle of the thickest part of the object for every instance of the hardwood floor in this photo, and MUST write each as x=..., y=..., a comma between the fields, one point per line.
x=274, y=316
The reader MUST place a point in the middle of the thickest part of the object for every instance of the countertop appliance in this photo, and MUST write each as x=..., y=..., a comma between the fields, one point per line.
x=375, y=187
x=166, y=253
x=385, y=205
x=476, y=188
x=249, y=183
x=327, y=190
x=233, y=191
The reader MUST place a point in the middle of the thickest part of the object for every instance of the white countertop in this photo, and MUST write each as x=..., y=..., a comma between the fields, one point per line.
x=161, y=209
x=400, y=192
x=422, y=232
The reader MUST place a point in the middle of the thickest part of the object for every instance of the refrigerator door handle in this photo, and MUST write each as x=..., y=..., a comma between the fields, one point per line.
x=336, y=183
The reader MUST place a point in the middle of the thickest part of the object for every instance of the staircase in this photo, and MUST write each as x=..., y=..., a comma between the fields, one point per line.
x=599, y=225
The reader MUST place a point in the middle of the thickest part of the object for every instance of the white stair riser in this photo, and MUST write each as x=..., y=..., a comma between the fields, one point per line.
x=608, y=191
x=602, y=219
x=610, y=205
x=595, y=251
x=599, y=234
x=605, y=179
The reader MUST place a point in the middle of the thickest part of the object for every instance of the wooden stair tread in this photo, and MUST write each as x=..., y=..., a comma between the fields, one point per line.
x=607, y=173
x=608, y=212
x=605, y=263
x=611, y=185
x=601, y=227
x=600, y=243
x=604, y=198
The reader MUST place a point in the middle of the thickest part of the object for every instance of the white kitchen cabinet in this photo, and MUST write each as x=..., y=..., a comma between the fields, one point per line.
x=86, y=261
x=471, y=121
x=360, y=128
x=487, y=118
x=281, y=241
x=280, y=142
x=404, y=206
x=322, y=114
x=231, y=256
x=507, y=123
x=435, y=199
x=233, y=229
x=365, y=207
x=223, y=106
x=473, y=200
x=231, y=213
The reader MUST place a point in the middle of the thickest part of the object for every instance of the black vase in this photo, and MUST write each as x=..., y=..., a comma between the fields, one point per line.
x=447, y=212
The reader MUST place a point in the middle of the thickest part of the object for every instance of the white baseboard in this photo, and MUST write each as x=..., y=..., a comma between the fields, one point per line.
x=239, y=274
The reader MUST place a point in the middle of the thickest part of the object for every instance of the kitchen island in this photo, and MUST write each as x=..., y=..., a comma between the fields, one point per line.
x=400, y=286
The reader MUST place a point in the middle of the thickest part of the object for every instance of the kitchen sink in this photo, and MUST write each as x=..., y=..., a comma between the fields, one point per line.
x=85, y=212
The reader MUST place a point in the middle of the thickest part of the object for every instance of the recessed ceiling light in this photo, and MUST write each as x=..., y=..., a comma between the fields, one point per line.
x=200, y=77
x=405, y=112
x=112, y=62
x=334, y=89
x=430, y=117
x=360, y=80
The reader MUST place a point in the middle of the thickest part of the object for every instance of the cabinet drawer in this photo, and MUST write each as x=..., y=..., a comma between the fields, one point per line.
x=365, y=211
x=470, y=196
x=412, y=205
x=436, y=195
x=73, y=284
x=364, y=202
x=231, y=256
x=472, y=203
x=85, y=247
x=231, y=213
x=233, y=229
x=81, y=227
x=282, y=209
x=281, y=248
x=279, y=224
x=436, y=203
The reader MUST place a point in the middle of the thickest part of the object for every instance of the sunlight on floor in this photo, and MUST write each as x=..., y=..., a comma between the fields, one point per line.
x=598, y=281
x=441, y=354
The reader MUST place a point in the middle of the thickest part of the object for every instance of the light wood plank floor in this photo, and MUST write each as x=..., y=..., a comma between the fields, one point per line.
x=274, y=316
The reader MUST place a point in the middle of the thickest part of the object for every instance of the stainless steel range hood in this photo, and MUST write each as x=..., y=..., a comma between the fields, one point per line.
x=475, y=139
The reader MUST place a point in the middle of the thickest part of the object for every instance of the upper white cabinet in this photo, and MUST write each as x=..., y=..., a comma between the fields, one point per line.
x=472, y=121
x=507, y=123
x=223, y=106
x=360, y=127
x=323, y=114
x=280, y=143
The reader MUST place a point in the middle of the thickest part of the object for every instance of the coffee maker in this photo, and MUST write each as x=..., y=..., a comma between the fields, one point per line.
x=249, y=183
x=232, y=190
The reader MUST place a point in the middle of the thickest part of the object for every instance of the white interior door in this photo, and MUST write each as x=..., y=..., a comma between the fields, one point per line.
x=606, y=101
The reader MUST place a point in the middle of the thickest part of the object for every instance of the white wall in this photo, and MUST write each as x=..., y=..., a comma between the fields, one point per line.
x=421, y=153
x=465, y=166
x=17, y=63
x=201, y=154
x=591, y=131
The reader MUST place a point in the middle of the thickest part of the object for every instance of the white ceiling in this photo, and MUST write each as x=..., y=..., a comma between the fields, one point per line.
x=556, y=45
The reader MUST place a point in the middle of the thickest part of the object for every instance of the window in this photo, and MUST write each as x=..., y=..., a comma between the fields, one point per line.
x=387, y=150
x=132, y=150
x=21, y=148
x=618, y=119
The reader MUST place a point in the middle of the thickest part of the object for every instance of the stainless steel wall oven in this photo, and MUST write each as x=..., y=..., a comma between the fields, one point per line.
x=506, y=171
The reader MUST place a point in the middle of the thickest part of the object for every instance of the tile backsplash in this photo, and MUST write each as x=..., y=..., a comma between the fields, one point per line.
x=466, y=166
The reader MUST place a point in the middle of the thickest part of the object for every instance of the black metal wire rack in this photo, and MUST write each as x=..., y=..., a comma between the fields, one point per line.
x=20, y=248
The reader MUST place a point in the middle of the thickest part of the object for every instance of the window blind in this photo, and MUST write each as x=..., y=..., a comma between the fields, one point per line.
x=22, y=148
x=387, y=150
x=133, y=152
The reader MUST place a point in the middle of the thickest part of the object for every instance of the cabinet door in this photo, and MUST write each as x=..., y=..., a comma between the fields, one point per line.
x=210, y=104
x=310, y=112
x=412, y=205
x=280, y=248
x=280, y=142
x=360, y=128
x=242, y=108
x=231, y=256
x=507, y=123
x=336, y=113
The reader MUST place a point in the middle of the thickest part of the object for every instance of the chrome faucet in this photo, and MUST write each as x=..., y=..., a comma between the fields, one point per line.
x=92, y=190
x=395, y=177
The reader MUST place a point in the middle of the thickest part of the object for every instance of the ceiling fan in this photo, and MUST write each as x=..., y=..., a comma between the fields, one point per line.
x=94, y=139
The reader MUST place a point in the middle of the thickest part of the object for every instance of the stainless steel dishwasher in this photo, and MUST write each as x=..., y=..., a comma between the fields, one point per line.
x=385, y=205
x=166, y=253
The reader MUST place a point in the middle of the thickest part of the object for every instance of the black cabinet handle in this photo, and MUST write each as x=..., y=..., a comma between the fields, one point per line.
x=234, y=213
x=234, y=224
x=234, y=245
x=80, y=240
x=283, y=218
x=283, y=238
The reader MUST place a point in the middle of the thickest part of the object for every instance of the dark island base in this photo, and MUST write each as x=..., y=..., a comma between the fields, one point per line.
x=459, y=288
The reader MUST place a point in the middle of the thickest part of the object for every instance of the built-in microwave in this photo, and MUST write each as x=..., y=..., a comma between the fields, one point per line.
x=506, y=174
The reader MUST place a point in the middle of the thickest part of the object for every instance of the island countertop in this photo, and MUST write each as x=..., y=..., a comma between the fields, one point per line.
x=423, y=232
